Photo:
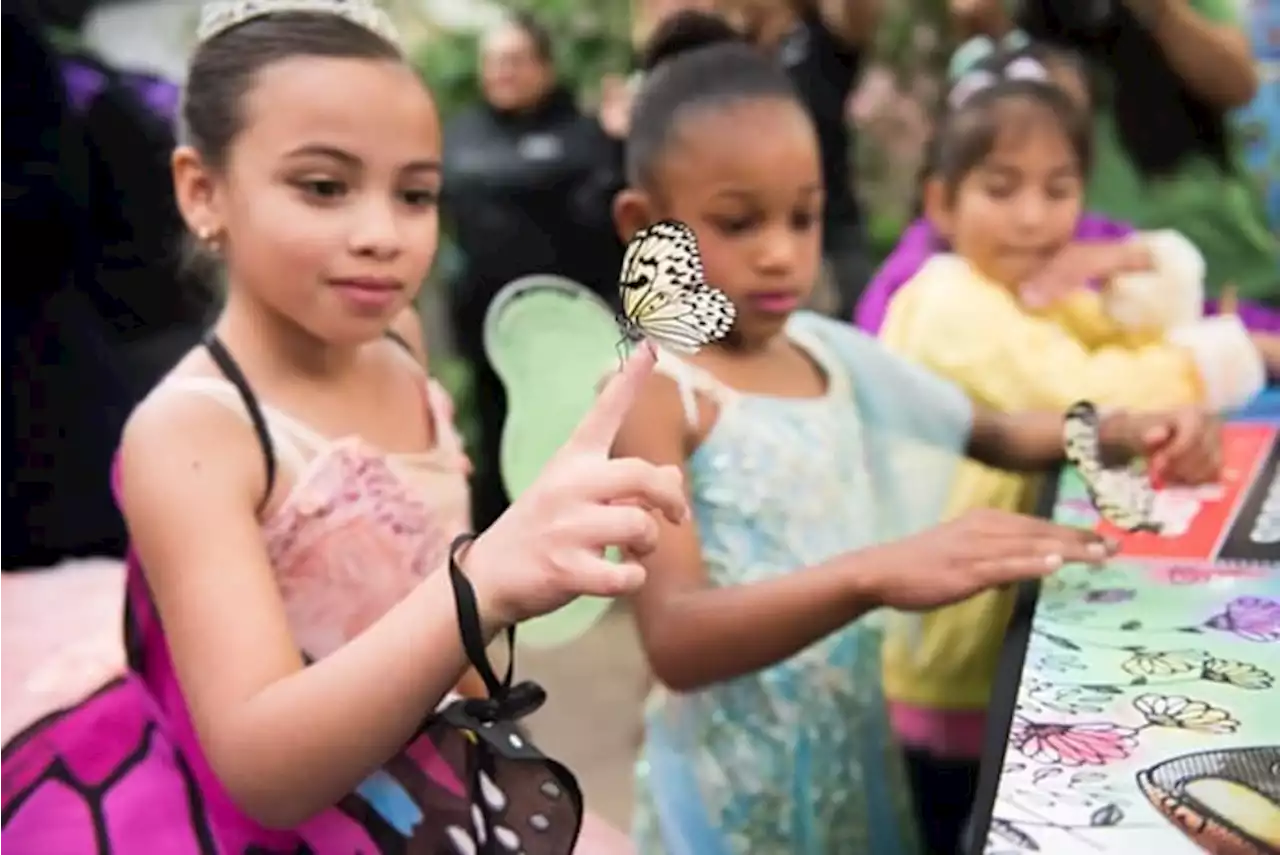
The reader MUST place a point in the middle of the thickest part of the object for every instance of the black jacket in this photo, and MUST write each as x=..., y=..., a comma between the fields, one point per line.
x=99, y=309
x=530, y=193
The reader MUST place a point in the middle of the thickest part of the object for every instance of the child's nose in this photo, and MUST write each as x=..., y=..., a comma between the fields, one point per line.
x=779, y=250
x=376, y=231
x=1031, y=211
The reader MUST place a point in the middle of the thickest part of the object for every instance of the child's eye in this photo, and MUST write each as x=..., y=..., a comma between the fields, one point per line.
x=735, y=225
x=1061, y=191
x=804, y=220
x=1001, y=191
x=323, y=188
x=420, y=198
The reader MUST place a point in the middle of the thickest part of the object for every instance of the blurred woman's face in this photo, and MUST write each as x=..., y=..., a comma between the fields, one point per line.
x=512, y=74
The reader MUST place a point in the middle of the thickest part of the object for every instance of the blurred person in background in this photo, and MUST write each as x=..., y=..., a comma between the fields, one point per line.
x=528, y=184
x=617, y=92
x=647, y=14
x=823, y=44
x=1165, y=74
x=104, y=305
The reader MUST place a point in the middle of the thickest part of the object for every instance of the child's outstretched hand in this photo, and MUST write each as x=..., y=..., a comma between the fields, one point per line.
x=979, y=550
x=547, y=549
x=1182, y=446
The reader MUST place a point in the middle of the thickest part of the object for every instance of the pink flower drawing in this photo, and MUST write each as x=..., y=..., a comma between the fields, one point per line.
x=1090, y=744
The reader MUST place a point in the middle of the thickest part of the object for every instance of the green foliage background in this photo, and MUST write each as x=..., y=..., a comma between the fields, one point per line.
x=592, y=39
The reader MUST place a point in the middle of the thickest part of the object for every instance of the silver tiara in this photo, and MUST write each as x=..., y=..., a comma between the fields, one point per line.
x=221, y=15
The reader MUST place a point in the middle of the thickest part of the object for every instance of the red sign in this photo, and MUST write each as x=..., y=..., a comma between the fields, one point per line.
x=1199, y=520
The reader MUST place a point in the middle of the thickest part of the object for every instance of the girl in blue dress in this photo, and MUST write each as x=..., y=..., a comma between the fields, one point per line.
x=815, y=462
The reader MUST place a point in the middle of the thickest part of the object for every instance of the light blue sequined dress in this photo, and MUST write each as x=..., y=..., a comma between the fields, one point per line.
x=798, y=758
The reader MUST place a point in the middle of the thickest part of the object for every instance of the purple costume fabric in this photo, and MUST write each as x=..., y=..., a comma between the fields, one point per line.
x=122, y=773
x=84, y=83
x=919, y=242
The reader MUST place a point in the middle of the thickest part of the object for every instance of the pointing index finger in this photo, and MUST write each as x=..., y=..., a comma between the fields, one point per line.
x=601, y=424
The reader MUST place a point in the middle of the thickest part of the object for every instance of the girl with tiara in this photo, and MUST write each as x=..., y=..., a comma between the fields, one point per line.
x=301, y=597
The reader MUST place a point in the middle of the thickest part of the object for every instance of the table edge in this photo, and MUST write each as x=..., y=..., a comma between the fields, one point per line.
x=1004, y=693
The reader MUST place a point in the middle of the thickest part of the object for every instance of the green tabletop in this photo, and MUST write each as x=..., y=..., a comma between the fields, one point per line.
x=1138, y=708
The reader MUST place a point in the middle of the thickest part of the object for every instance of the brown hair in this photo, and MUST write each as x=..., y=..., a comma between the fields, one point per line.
x=969, y=133
x=223, y=69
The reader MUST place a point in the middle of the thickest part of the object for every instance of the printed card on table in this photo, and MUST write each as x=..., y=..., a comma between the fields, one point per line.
x=1237, y=520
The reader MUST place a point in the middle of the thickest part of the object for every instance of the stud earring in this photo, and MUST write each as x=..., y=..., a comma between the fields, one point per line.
x=210, y=238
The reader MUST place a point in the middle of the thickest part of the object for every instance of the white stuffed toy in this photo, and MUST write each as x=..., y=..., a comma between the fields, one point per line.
x=1169, y=295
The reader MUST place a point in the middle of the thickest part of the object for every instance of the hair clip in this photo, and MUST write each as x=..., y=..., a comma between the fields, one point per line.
x=1015, y=40
x=968, y=55
x=978, y=48
x=1026, y=68
x=221, y=15
x=969, y=85
x=1020, y=68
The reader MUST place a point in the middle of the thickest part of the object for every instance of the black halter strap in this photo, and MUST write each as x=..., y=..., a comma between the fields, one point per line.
x=231, y=370
x=400, y=340
x=235, y=376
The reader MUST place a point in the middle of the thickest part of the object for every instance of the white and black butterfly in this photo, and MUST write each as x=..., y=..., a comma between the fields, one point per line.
x=1123, y=495
x=665, y=295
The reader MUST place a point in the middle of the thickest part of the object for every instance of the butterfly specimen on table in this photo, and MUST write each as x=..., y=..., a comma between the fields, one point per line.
x=665, y=295
x=1123, y=495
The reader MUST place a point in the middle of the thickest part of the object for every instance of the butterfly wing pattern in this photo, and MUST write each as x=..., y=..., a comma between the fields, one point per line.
x=1123, y=496
x=665, y=296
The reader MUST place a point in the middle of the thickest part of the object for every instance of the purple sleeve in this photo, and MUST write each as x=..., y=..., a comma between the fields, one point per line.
x=913, y=250
x=1094, y=227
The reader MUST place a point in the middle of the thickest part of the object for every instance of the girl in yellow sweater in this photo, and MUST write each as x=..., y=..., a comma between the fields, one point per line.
x=1009, y=167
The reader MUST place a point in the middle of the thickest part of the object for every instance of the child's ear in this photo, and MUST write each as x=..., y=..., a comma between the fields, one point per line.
x=195, y=188
x=631, y=212
x=938, y=208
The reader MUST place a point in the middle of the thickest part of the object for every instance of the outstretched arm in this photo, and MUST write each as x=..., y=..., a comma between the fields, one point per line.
x=696, y=633
x=1206, y=46
x=1182, y=445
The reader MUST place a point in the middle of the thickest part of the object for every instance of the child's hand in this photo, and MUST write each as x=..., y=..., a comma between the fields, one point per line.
x=616, y=98
x=980, y=550
x=1182, y=446
x=547, y=549
x=1081, y=263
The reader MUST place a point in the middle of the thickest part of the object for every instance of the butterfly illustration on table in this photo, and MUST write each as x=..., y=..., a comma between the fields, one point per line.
x=1123, y=495
x=665, y=295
